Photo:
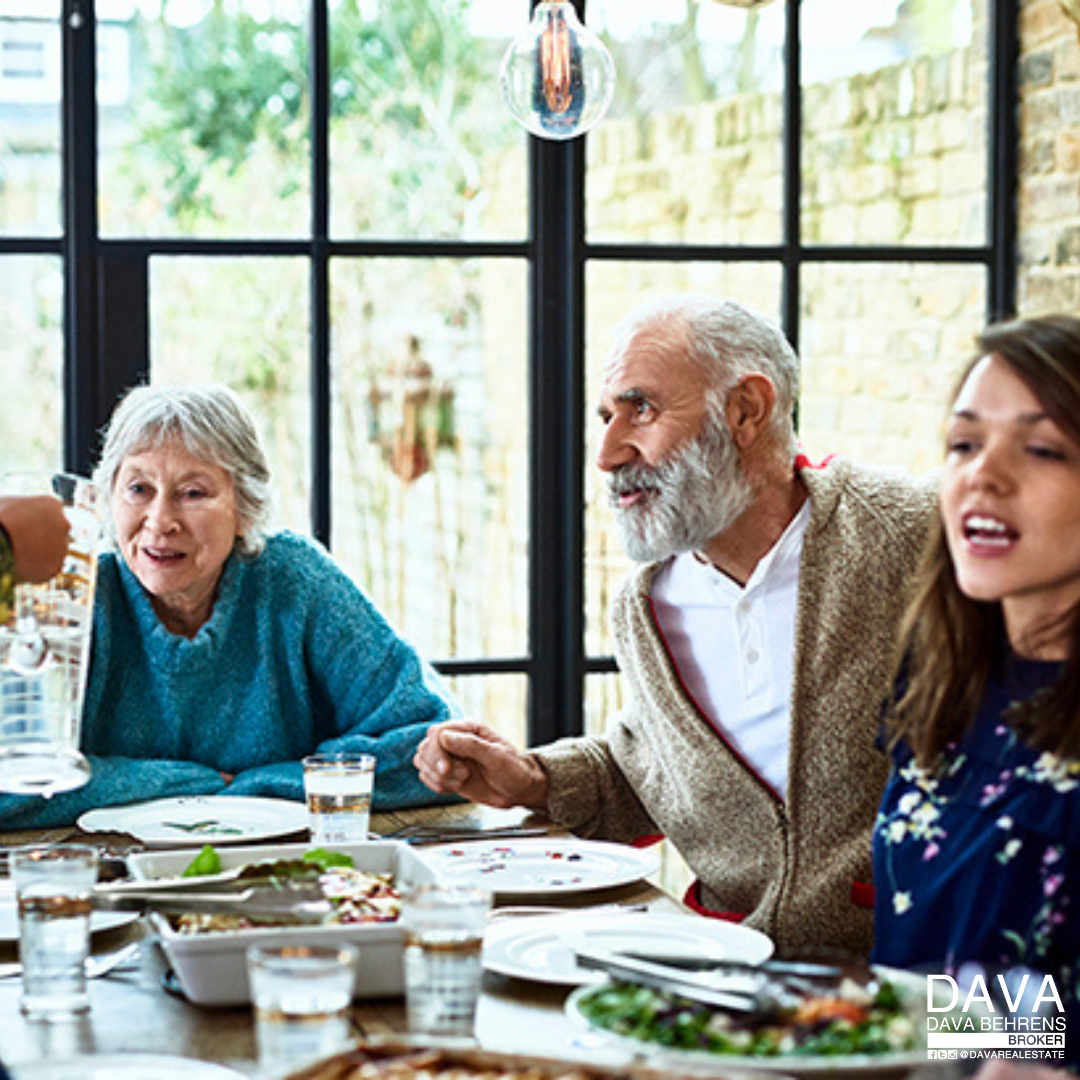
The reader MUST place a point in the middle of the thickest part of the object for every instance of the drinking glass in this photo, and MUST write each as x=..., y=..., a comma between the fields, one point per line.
x=444, y=936
x=45, y=650
x=53, y=885
x=338, y=789
x=301, y=995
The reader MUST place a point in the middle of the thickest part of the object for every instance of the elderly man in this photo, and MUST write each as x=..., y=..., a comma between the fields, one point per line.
x=756, y=637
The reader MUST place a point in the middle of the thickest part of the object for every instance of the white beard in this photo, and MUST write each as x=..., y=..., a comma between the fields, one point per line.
x=689, y=497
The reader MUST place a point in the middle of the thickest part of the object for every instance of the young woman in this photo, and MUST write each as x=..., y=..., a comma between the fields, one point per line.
x=977, y=843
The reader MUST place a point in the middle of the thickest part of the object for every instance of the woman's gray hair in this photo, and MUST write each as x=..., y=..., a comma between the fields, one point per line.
x=726, y=341
x=213, y=424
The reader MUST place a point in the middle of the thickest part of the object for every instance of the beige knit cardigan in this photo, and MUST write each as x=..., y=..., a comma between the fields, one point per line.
x=793, y=869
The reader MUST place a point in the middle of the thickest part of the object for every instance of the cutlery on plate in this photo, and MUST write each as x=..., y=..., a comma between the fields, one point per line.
x=643, y=973
x=96, y=966
x=685, y=962
x=281, y=902
x=512, y=910
x=418, y=835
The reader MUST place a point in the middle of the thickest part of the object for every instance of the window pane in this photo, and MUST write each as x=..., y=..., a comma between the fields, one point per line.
x=421, y=143
x=614, y=289
x=881, y=347
x=430, y=498
x=208, y=133
x=31, y=358
x=501, y=701
x=243, y=322
x=691, y=149
x=603, y=696
x=894, y=122
x=30, y=89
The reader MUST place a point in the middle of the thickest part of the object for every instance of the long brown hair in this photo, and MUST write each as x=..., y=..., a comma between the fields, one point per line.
x=949, y=644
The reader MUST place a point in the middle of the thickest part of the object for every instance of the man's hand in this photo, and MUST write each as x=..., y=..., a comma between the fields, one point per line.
x=462, y=757
x=38, y=531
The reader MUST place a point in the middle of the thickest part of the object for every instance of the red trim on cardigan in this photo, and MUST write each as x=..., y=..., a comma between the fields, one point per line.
x=692, y=900
x=647, y=840
x=803, y=462
x=708, y=719
x=862, y=894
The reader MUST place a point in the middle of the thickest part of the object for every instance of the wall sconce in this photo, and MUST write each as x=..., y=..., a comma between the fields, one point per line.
x=410, y=416
x=558, y=77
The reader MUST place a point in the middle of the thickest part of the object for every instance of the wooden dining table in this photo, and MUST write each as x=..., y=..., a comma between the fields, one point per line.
x=133, y=1011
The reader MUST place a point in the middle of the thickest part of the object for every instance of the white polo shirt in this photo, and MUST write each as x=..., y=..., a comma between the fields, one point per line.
x=734, y=646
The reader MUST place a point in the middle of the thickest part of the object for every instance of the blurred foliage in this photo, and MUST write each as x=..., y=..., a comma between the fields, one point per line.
x=410, y=90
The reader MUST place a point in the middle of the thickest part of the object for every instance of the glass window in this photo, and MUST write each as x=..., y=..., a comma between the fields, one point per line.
x=500, y=701
x=604, y=695
x=423, y=485
x=243, y=322
x=30, y=92
x=420, y=143
x=881, y=346
x=691, y=149
x=430, y=493
x=895, y=121
x=209, y=135
x=31, y=358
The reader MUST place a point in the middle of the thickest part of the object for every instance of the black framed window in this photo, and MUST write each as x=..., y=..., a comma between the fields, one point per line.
x=324, y=203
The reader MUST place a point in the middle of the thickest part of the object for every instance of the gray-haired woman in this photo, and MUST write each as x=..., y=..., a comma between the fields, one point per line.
x=223, y=654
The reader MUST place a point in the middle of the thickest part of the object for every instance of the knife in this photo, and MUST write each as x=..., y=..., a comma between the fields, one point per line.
x=644, y=973
x=684, y=962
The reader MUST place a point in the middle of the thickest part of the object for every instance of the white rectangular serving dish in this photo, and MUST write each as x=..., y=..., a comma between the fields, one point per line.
x=212, y=968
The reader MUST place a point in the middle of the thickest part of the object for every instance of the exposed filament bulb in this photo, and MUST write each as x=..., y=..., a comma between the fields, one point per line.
x=558, y=77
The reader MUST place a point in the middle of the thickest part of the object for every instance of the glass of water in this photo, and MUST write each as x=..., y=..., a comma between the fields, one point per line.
x=301, y=995
x=53, y=885
x=338, y=788
x=444, y=937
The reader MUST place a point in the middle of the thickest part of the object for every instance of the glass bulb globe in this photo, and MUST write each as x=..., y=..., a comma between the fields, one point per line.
x=558, y=77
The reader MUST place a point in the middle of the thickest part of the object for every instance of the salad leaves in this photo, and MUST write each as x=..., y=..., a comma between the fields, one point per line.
x=315, y=861
x=850, y=1021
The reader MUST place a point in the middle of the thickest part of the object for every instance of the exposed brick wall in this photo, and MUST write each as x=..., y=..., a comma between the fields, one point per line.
x=1049, y=195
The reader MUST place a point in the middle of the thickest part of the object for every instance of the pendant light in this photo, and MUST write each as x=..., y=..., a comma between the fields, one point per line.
x=558, y=77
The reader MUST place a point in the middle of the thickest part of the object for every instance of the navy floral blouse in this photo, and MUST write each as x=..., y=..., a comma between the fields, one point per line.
x=979, y=860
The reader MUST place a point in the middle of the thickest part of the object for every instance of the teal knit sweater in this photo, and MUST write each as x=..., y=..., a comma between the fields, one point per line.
x=294, y=659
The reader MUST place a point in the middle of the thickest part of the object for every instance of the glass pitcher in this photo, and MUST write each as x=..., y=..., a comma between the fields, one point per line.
x=45, y=650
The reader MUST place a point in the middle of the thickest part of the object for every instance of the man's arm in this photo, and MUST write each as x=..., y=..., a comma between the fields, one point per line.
x=462, y=757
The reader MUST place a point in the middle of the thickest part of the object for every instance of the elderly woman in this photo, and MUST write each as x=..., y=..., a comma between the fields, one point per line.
x=222, y=654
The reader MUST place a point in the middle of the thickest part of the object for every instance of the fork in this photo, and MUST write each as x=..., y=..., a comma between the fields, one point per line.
x=96, y=966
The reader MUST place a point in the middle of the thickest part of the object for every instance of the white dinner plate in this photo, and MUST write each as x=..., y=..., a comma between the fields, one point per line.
x=541, y=947
x=200, y=819
x=911, y=988
x=124, y=1067
x=535, y=867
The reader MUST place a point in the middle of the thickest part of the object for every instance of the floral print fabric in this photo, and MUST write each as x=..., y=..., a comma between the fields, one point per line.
x=979, y=859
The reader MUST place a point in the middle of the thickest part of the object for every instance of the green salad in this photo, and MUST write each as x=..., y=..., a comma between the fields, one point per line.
x=851, y=1019
x=315, y=861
